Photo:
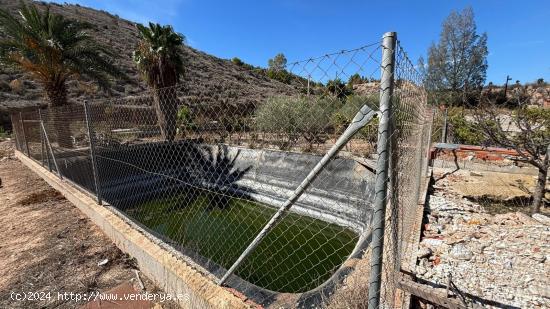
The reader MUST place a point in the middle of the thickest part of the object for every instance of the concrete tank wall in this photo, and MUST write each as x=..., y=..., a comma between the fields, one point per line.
x=132, y=174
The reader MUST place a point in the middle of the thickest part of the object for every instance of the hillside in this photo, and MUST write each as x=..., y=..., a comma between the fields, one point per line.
x=208, y=79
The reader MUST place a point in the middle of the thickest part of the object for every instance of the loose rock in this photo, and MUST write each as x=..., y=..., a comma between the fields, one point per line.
x=503, y=258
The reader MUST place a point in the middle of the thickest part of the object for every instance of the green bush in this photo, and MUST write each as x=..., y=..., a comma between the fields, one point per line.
x=538, y=119
x=343, y=116
x=281, y=75
x=237, y=61
x=292, y=118
x=464, y=130
x=338, y=88
x=3, y=133
x=184, y=119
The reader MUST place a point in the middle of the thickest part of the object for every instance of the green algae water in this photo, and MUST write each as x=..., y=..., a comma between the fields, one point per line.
x=297, y=255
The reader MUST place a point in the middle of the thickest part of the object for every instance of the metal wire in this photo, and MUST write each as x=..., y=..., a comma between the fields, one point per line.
x=205, y=168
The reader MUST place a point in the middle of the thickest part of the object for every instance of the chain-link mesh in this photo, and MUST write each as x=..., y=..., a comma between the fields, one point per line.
x=205, y=168
x=408, y=159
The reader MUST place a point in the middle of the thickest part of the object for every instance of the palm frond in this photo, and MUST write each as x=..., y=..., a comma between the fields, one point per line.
x=53, y=48
x=158, y=55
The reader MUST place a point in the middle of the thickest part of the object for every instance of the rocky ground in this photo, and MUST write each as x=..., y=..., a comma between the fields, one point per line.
x=503, y=260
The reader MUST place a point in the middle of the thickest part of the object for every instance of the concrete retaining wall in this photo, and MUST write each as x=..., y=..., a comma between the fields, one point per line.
x=170, y=270
x=342, y=194
x=134, y=174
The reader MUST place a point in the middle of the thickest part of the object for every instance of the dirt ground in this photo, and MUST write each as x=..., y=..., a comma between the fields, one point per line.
x=497, y=192
x=48, y=246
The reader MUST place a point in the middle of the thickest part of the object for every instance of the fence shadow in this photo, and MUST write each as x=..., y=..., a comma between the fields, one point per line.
x=134, y=174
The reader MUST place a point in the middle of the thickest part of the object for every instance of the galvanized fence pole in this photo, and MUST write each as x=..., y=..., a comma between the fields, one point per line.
x=42, y=146
x=43, y=140
x=51, y=149
x=24, y=134
x=444, y=129
x=422, y=167
x=97, y=184
x=381, y=184
x=429, y=146
x=14, y=128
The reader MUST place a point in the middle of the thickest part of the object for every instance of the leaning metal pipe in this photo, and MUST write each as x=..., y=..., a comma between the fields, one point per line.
x=362, y=117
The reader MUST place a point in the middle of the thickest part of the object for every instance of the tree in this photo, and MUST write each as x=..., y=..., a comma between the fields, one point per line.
x=292, y=118
x=277, y=63
x=356, y=79
x=277, y=69
x=158, y=57
x=457, y=64
x=52, y=50
x=343, y=116
x=337, y=88
x=524, y=129
x=237, y=61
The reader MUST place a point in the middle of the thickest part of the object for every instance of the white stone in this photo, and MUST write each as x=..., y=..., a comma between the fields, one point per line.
x=541, y=218
x=461, y=252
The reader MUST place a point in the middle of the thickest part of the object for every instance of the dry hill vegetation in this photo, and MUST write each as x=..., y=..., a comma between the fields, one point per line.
x=207, y=78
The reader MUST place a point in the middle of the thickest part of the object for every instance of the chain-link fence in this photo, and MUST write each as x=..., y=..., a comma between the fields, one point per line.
x=408, y=133
x=233, y=178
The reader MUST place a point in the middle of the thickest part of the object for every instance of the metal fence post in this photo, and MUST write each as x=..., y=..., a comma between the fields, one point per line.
x=422, y=156
x=24, y=134
x=43, y=140
x=51, y=149
x=381, y=184
x=42, y=145
x=444, y=129
x=429, y=146
x=14, y=129
x=92, y=151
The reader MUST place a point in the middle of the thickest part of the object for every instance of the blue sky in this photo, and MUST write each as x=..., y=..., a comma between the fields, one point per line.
x=519, y=31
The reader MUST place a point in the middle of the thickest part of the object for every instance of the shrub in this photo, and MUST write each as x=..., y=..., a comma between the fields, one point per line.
x=356, y=79
x=3, y=133
x=237, y=61
x=464, y=130
x=235, y=118
x=281, y=75
x=338, y=88
x=497, y=97
x=343, y=116
x=277, y=63
x=292, y=118
x=184, y=119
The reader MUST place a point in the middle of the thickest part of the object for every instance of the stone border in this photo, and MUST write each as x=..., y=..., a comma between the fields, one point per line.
x=166, y=267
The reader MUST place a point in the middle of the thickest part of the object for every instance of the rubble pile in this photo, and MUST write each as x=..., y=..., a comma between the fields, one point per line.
x=503, y=258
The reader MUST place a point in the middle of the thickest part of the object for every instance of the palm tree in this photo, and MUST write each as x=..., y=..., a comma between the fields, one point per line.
x=52, y=50
x=158, y=58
